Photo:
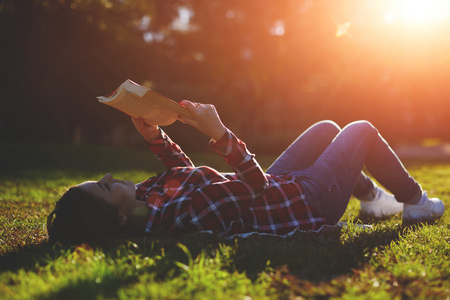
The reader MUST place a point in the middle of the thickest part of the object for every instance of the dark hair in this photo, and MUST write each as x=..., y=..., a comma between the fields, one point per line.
x=80, y=217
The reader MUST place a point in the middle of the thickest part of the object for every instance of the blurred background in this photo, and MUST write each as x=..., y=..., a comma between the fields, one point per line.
x=271, y=67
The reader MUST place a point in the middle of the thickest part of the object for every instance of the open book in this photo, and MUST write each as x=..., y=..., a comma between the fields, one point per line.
x=140, y=102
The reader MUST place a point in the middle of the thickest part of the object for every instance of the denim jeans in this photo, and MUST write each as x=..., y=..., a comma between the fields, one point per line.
x=329, y=160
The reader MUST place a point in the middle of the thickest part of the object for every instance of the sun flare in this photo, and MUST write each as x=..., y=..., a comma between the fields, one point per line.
x=418, y=12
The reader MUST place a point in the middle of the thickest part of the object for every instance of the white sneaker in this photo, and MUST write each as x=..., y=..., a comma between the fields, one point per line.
x=432, y=210
x=382, y=205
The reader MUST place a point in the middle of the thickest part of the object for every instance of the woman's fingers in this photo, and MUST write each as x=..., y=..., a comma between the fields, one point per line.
x=205, y=118
x=148, y=132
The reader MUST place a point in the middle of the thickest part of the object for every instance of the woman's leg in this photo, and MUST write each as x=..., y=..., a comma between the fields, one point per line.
x=305, y=150
x=335, y=174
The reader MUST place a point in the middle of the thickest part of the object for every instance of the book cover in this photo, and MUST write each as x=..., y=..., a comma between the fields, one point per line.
x=140, y=102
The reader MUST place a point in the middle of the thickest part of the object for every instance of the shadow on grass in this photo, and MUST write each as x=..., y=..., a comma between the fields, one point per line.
x=89, y=289
x=28, y=257
x=309, y=256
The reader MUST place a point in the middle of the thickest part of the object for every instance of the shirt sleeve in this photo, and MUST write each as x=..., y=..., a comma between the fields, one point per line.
x=216, y=206
x=169, y=152
x=240, y=159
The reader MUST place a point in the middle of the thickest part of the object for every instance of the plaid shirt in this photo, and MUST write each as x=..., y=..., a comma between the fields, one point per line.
x=186, y=198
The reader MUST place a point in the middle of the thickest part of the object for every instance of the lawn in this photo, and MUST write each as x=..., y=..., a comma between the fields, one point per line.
x=386, y=261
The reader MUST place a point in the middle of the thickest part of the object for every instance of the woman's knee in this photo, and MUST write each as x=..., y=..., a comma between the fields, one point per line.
x=362, y=126
x=327, y=127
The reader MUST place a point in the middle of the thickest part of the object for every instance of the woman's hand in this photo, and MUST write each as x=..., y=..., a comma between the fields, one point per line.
x=205, y=119
x=148, y=132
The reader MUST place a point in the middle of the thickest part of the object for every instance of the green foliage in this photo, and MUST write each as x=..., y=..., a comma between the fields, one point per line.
x=387, y=261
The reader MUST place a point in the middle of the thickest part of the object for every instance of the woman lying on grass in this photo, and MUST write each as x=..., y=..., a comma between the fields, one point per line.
x=308, y=186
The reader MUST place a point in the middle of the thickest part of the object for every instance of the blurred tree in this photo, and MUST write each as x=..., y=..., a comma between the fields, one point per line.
x=271, y=67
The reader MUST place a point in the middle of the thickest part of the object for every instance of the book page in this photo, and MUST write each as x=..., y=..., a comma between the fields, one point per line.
x=137, y=107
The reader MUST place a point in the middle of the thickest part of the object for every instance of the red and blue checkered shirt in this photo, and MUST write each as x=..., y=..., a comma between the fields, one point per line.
x=186, y=198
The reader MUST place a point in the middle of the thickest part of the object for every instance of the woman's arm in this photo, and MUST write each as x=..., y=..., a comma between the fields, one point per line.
x=216, y=205
x=161, y=145
x=206, y=119
x=221, y=202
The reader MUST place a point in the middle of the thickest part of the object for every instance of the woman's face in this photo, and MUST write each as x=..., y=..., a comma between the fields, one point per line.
x=119, y=194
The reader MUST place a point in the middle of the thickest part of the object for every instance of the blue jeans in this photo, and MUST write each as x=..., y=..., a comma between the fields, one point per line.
x=329, y=160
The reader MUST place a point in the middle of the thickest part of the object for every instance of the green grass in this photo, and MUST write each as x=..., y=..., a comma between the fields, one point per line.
x=388, y=261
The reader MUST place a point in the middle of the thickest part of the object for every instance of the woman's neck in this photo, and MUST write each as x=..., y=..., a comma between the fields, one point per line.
x=138, y=219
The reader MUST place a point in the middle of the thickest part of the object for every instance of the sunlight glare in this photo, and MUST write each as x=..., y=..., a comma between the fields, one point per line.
x=389, y=18
x=418, y=12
